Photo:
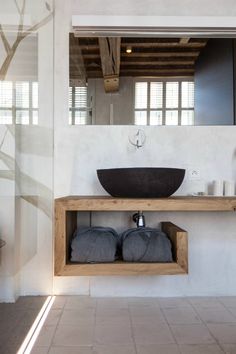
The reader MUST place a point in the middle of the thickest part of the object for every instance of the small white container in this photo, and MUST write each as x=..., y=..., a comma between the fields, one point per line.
x=218, y=188
x=229, y=188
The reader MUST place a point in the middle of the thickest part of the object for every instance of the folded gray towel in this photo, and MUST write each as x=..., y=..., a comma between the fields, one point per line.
x=146, y=244
x=94, y=244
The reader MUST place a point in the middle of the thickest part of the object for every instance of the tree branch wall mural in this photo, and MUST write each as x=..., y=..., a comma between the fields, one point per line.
x=21, y=34
x=44, y=195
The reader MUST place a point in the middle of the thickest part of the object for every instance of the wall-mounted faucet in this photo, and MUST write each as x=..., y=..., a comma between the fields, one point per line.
x=138, y=139
x=139, y=219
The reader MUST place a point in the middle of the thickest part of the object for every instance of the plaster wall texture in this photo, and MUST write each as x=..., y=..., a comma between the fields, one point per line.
x=158, y=8
x=80, y=150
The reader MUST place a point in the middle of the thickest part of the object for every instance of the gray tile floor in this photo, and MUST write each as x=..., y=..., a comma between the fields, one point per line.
x=84, y=325
x=16, y=320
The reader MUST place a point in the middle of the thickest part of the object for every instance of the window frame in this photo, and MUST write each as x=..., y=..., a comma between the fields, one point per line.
x=164, y=109
x=74, y=109
x=13, y=109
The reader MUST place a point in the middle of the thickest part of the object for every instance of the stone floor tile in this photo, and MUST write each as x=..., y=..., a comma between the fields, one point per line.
x=113, y=334
x=78, y=317
x=112, y=302
x=53, y=317
x=9, y=349
x=45, y=336
x=152, y=334
x=30, y=302
x=228, y=301
x=205, y=302
x=71, y=350
x=59, y=302
x=114, y=349
x=146, y=311
x=114, y=320
x=200, y=349
x=73, y=336
x=167, y=302
x=80, y=302
x=158, y=349
x=146, y=320
x=229, y=348
x=232, y=310
x=40, y=350
x=215, y=315
x=143, y=301
x=224, y=333
x=192, y=334
x=181, y=315
x=111, y=312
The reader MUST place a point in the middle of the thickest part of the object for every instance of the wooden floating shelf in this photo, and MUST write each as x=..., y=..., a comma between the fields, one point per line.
x=104, y=203
x=66, y=209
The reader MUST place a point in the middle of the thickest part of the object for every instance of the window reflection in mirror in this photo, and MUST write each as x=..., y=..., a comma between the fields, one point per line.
x=164, y=102
x=19, y=89
x=151, y=81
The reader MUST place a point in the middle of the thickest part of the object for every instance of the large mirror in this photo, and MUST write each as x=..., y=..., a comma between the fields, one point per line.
x=151, y=81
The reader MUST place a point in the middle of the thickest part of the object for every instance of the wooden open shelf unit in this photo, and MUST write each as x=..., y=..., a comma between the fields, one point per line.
x=66, y=209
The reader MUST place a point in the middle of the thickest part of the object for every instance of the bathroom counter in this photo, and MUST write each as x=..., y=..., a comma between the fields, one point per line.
x=66, y=210
x=178, y=203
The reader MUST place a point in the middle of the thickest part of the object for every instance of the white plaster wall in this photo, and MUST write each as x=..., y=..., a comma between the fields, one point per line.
x=153, y=7
x=79, y=151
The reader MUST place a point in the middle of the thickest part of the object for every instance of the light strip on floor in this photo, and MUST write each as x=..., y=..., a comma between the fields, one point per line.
x=36, y=327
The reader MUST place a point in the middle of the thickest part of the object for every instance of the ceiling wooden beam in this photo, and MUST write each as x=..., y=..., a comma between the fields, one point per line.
x=149, y=55
x=160, y=75
x=184, y=40
x=110, y=59
x=107, y=57
x=89, y=46
x=161, y=54
x=135, y=64
x=164, y=63
x=95, y=75
x=158, y=71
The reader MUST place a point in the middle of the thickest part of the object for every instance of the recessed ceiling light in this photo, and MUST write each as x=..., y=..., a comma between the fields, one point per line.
x=128, y=49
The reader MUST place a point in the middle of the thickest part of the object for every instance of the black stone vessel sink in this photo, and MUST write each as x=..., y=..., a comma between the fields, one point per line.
x=141, y=182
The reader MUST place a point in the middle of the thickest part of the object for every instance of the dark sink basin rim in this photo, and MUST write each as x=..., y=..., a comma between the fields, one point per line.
x=141, y=182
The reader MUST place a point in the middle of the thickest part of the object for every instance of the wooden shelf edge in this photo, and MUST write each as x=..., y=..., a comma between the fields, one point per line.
x=181, y=203
x=120, y=268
